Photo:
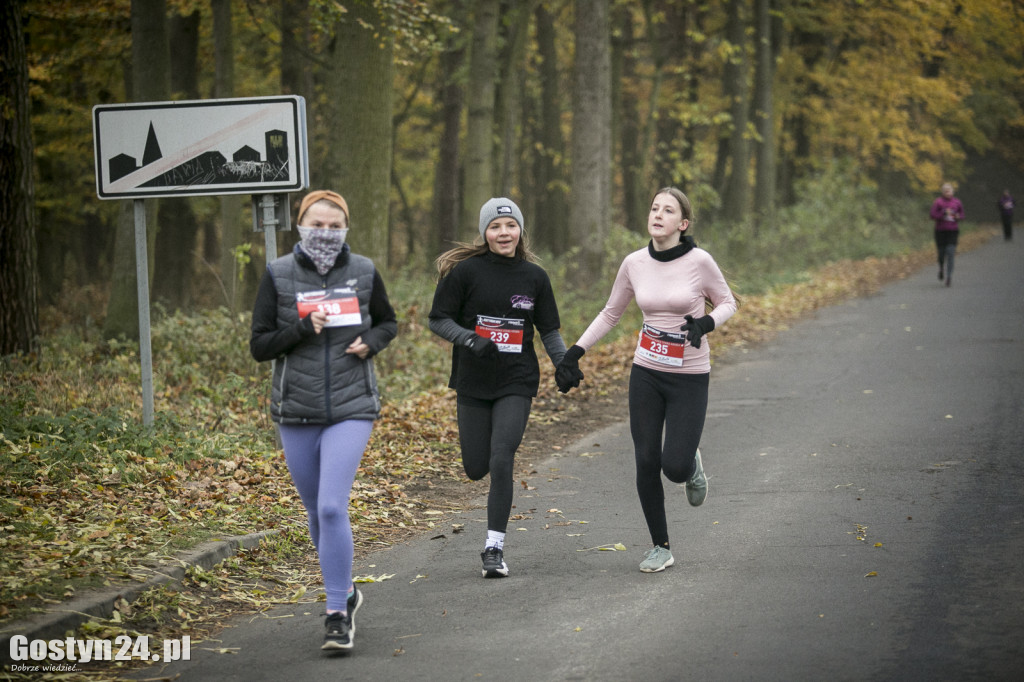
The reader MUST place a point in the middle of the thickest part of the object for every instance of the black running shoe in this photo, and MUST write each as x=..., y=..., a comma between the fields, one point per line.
x=494, y=563
x=339, y=632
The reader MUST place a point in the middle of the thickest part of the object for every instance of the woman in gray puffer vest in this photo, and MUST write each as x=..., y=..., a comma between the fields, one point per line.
x=321, y=314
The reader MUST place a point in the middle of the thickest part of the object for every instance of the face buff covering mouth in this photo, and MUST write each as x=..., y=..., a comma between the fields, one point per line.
x=322, y=245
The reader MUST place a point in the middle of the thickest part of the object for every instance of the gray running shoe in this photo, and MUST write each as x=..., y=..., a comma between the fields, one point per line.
x=656, y=559
x=697, y=486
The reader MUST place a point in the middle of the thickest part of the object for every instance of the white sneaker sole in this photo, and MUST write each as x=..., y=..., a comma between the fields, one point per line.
x=496, y=573
x=659, y=569
x=352, y=614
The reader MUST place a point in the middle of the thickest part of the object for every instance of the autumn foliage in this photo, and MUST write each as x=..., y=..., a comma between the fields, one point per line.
x=90, y=496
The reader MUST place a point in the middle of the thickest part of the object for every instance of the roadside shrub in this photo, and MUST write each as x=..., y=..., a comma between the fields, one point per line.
x=837, y=218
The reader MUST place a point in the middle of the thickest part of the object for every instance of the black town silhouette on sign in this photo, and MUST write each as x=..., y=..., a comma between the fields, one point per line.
x=212, y=167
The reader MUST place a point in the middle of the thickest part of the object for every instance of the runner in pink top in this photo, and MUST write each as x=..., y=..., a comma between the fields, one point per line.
x=666, y=291
x=672, y=281
x=947, y=212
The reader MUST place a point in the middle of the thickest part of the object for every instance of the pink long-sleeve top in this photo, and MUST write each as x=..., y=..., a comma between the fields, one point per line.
x=947, y=213
x=665, y=291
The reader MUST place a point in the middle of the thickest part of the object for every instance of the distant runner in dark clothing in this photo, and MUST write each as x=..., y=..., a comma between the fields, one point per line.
x=1005, y=204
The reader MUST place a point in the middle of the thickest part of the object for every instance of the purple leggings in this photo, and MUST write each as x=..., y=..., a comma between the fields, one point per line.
x=323, y=462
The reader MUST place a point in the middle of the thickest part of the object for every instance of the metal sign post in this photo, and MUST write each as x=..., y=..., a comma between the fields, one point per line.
x=145, y=342
x=270, y=214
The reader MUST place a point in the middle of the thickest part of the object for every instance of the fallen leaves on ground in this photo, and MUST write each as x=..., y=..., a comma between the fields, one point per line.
x=104, y=526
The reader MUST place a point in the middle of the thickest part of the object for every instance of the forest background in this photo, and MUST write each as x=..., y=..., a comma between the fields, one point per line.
x=811, y=137
x=765, y=112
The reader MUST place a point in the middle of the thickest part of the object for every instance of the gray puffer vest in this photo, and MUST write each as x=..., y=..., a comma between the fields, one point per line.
x=318, y=382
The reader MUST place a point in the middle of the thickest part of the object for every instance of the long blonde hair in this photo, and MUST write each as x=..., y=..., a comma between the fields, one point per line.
x=463, y=251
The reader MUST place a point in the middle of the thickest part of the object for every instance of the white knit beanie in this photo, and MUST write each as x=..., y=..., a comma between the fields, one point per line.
x=499, y=207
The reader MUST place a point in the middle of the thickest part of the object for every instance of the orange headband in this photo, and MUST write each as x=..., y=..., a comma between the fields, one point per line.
x=319, y=195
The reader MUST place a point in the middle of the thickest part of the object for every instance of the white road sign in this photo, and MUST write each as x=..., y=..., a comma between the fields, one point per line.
x=201, y=147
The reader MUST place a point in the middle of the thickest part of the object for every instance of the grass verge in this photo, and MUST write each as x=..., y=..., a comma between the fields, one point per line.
x=91, y=498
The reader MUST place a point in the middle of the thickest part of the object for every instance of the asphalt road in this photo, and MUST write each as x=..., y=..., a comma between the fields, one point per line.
x=865, y=522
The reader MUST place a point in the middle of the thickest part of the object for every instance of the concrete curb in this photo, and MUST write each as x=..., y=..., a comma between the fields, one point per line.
x=68, y=615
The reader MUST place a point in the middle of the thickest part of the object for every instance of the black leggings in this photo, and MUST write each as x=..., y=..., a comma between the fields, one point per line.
x=674, y=405
x=490, y=432
x=945, y=244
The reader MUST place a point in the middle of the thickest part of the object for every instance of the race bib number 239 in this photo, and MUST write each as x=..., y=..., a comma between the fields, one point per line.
x=506, y=333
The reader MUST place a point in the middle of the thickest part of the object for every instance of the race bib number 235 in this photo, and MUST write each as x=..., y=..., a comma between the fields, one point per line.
x=665, y=348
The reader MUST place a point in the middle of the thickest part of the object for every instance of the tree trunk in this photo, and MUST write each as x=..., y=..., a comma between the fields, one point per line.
x=150, y=83
x=297, y=78
x=764, y=112
x=178, y=226
x=737, y=189
x=358, y=112
x=590, y=210
x=628, y=121
x=694, y=51
x=175, y=244
x=232, y=232
x=446, y=173
x=509, y=98
x=184, y=57
x=672, y=50
x=551, y=206
x=296, y=74
x=19, y=313
x=660, y=43
x=796, y=126
x=478, y=168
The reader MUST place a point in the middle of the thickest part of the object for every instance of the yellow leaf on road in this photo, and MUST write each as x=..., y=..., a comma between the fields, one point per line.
x=371, y=579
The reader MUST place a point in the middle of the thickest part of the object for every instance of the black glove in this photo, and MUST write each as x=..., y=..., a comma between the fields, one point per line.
x=482, y=347
x=567, y=373
x=695, y=329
